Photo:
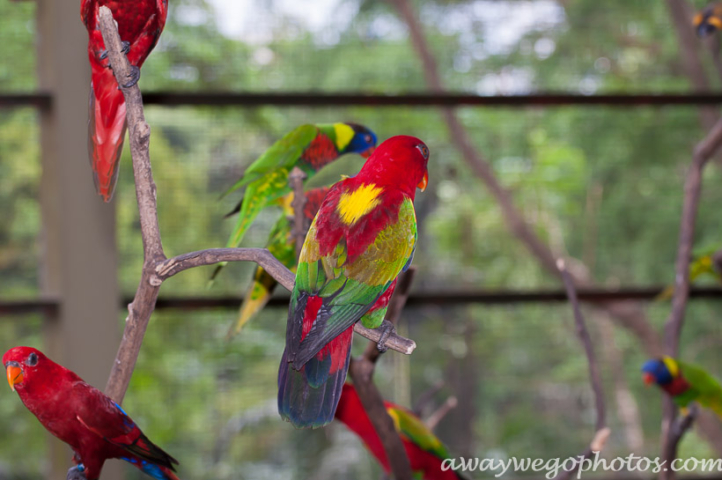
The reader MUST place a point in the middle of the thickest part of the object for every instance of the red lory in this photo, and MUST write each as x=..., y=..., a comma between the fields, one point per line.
x=140, y=23
x=363, y=236
x=309, y=147
x=94, y=426
x=282, y=245
x=425, y=451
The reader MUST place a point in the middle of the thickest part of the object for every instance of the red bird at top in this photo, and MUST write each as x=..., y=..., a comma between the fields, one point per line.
x=140, y=23
x=94, y=426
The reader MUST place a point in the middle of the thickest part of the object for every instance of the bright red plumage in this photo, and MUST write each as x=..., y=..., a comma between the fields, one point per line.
x=140, y=23
x=93, y=425
x=350, y=411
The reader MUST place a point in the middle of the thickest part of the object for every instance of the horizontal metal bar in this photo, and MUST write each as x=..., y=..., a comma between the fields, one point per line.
x=448, y=298
x=37, y=100
x=317, y=99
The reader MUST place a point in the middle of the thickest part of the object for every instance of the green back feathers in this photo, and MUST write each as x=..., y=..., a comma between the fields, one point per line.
x=707, y=390
x=411, y=427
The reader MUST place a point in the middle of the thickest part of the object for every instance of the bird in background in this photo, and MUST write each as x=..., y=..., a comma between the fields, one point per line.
x=424, y=450
x=708, y=20
x=684, y=382
x=309, y=147
x=702, y=265
x=140, y=23
x=362, y=238
x=281, y=243
x=94, y=426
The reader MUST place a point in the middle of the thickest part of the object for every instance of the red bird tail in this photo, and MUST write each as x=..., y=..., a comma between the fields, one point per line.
x=106, y=130
x=308, y=397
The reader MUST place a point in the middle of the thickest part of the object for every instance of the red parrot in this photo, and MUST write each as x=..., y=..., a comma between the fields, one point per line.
x=140, y=23
x=94, y=426
x=425, y=451
x=363, y=236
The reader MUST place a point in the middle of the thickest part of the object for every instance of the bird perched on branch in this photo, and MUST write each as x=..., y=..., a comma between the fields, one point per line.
x=363, y=236
x=309, y=147
x=424, y=450
x=281, y=244
x=684, y=382
x=140, y=23
x=94, y=426
x=708, y=20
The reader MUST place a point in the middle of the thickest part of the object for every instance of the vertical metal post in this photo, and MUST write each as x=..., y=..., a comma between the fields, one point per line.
x=79, y=258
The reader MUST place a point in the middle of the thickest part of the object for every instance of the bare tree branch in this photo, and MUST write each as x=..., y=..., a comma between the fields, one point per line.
x=156, y=267
x=437, y=415
x=602, y=432
x=300, y=225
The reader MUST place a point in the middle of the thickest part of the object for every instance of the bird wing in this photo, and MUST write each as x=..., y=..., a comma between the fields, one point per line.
x=100, y=415
x=284, y=153
x=410, y=426
x=707, y=386
x=343, y=292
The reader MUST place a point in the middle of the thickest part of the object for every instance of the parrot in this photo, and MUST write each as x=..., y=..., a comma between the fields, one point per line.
x=309, y=147
x=140, y=23
x=283, y=246
x=708, y=20
x=684, y=382
x=94, y=426
x=362, y=238
x=702, y=265
x=425, y=451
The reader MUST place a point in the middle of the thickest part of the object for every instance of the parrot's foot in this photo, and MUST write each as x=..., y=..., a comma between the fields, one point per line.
x=125, y=48
x=76, y=473
x=386, y=328
x=134, y=76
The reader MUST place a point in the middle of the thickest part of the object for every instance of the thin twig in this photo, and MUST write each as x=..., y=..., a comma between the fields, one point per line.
x=437, y=415
x=427, y=396
x=300, y=225
x=602, y=432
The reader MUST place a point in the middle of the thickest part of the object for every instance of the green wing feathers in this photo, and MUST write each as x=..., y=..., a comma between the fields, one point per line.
x=281, y=245
x=708, y=389
x=284, y=153
x=349, y=290
x=411, y=427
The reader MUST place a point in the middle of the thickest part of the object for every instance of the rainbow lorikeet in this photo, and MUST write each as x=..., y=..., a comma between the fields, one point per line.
x=140, y=23
x=363, y=236
x=309, y=147
x=708, y=20
x=684, y=382
x=282, y=245
x=424, y=449
x=94, y=426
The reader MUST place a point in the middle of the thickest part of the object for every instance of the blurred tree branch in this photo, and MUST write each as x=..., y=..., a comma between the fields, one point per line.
x=626, y=314
x=602, y=431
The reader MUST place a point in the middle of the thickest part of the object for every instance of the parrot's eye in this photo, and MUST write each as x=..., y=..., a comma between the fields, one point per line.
x=424, y=151
x=368, y=139
x=32, y=360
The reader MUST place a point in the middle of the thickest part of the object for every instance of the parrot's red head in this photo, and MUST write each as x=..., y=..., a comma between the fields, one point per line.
x=401, y=162
x=21, y=363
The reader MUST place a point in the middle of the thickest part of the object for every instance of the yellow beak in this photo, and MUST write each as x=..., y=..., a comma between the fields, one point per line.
x=15, y=376
x=424, y=181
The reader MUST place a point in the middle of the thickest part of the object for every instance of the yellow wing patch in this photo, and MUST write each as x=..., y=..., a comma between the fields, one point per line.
x=356, y=204
x=344, y=134
x=671, y=366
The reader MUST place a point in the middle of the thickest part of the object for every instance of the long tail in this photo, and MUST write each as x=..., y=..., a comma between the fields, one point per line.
x=308, y=397
x=151, y=469
x=254, y=300
x=106, y=130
